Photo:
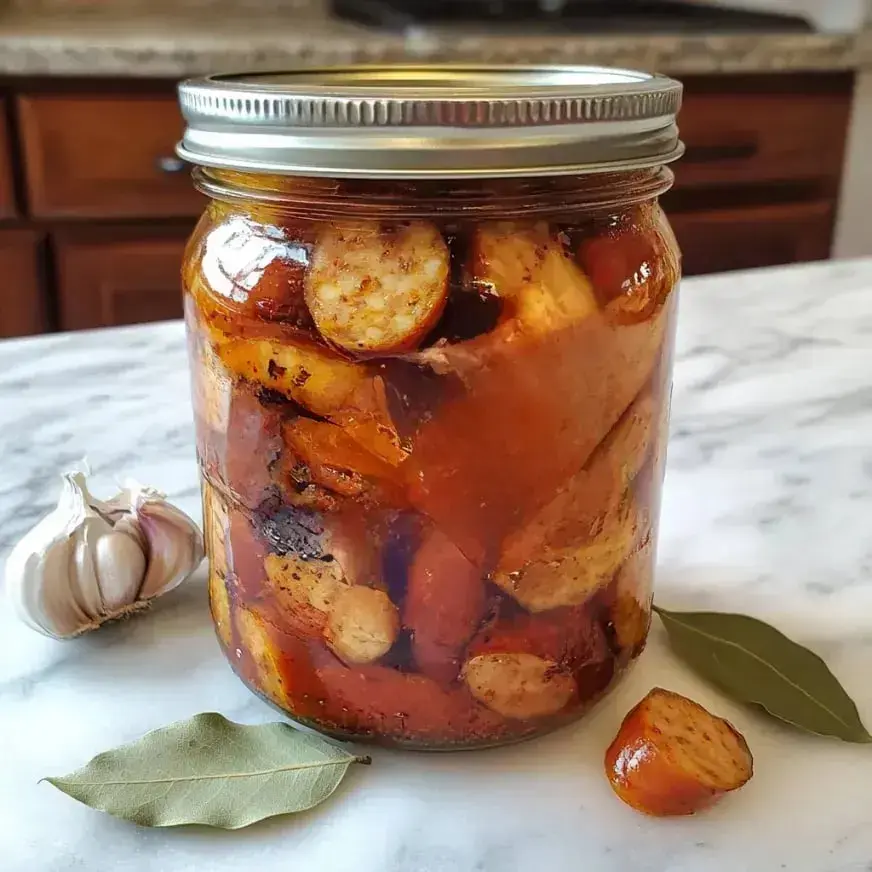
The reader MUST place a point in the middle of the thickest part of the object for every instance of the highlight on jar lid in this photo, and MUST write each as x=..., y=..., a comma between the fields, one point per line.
x=419, y=122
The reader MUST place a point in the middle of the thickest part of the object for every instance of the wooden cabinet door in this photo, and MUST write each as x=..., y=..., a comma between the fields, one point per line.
x=727, y=239
x=109, y=277
x=7, y=188
x=104, y=156
x=753, y=130
x=22, y=301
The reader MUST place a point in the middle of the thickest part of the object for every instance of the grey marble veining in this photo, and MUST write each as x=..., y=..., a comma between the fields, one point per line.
x=767, y=507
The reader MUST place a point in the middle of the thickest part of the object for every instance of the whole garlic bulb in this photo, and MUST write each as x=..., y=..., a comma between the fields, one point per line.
x=91, y=561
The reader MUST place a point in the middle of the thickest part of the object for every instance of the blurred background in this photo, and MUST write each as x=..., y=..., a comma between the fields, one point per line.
x=95, y=208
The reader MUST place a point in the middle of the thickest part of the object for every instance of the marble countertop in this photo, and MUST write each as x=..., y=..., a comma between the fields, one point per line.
x=172, y=45
x=767, y=507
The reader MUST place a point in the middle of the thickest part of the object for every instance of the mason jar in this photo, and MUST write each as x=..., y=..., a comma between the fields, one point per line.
x=430, y=314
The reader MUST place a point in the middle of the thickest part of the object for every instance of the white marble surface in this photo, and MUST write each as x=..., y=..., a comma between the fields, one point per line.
x=767, y=510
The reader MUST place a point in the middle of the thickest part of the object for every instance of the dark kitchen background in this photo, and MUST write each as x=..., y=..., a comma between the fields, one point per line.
x=95, y=207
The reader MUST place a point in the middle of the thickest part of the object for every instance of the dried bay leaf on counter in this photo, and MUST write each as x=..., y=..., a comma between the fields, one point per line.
x=755, y=663
x=208, y=770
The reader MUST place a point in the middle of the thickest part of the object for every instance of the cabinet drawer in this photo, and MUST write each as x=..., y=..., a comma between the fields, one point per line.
x=111, y=277
x=22, y=300
x=104, y=156
x=764, y=128
x=728, y=239
x=7, y=189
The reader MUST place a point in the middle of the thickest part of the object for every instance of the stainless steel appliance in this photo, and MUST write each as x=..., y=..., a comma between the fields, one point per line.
x=565, y=15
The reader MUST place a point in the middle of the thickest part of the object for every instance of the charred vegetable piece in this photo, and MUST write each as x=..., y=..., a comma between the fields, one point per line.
x=631, y=610
x=297, y=487
x=212, y=387
x=355, y=541
x=558, y=396
x=414, y=393
x=278, y=293
x=350, y=536
x=535, y=667
x=315, y=377
x=323, y=384
x=362, y=624
x=672, y=757
x=632, y=268
x=629, y=444
x=219, y=606
x=375, y=433
x=527, y=266
x=257, y=640
x=519, y=685
x=313, y=599
x=373, y=288
x=251, y=443
x=573, y=516
x=380, y=701
x=332, y=594
x=473, y=308
x=212, y=390
x=216, y=525
x=470, y=312
x=578, y=511
x=401, y=539
x=245, y=556
x=572, y=575
x=334, y=460
x=631, y=621
x=290, y=529
x=304, y=590
x=445, y=602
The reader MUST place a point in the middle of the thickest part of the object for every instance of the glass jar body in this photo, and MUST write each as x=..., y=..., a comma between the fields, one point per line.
x=431, y=424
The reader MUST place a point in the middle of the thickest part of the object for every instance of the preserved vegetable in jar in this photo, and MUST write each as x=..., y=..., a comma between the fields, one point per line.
x=430, y=316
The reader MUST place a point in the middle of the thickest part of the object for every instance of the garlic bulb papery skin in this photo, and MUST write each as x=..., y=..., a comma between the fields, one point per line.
x=90, y=561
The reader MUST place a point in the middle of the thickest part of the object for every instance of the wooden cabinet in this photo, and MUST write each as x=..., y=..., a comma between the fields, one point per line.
x=759, y=183
x=22, y=299
x=104, y=156
x=109, y=277
x=755, y=130
x=7, y=183
x=724, y=239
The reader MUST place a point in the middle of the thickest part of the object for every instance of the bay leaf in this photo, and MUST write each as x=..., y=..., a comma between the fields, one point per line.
x=755, y=663
x=209, y=770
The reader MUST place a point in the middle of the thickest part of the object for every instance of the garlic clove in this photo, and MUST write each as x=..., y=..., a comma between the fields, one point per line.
x=26, y=598
x=119, y=564
x=57, y=614
x=85, y=589
x=37, y=566
x=130, y=526
x=175, y=546
x=82, y=576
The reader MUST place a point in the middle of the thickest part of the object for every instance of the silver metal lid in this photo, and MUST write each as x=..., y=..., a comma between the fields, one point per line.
x=414, y=122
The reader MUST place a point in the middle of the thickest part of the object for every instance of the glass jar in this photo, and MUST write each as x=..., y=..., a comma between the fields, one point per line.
x=430, y=316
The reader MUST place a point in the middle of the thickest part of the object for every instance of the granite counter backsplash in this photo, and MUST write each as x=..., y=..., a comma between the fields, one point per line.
x=31, y=7
x=193, y=40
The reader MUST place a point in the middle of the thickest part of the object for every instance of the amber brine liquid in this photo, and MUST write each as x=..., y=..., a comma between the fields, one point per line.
x=431, y=428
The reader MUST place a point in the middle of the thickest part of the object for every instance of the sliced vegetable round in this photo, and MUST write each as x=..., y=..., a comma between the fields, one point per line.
x=519, y=685
x=374, y=288
x=362, y=625
x=672, y=757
